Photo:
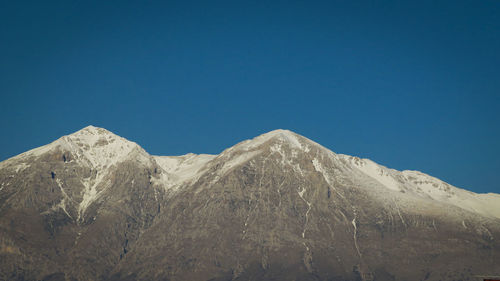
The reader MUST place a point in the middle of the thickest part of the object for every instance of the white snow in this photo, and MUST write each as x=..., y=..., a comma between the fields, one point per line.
x=399, y=211
x=93, y=147
x=319, y=168
x=416, y=183
x=285, y=136
x=21, y=167
x=62, y=204
x=328, y=175
x=309, y=204
x=16, y=164
x=355, y=233
x=238, y=160
x=181, y=169
x=102, y=150
x=372, y=169
x=97, y=147
x=90, y=192
x=484, y=204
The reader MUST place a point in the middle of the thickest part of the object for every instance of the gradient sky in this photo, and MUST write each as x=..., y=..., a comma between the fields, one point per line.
x=408, y=84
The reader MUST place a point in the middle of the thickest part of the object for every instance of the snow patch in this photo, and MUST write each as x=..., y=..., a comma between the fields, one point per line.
x=180, y=169
x=377, y=172
x=328, y=176
x=353, y=222
x=319, y=168
x=101, y=148
x=21, y=167
x=484, y=204
x=91, y=146
x=415, y=183
x=238, y=160
x=62, y=204
x=284, y=136
x=309, y=204
x=90, y=193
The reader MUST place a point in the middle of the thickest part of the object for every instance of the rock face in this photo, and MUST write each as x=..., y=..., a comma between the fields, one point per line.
x=94, y=206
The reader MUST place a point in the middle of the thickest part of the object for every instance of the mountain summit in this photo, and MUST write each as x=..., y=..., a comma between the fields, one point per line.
x=95, y=206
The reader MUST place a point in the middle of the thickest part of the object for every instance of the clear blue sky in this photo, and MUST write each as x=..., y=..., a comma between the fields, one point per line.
x=408, y=84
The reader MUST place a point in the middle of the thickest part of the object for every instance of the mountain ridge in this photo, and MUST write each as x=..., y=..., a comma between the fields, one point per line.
x=95, y=206
x=113, y=151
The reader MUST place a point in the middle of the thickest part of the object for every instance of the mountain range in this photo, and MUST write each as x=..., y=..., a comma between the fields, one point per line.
x=94, y=206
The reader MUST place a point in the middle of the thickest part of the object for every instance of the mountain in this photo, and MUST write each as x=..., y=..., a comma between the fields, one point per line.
x=95, y=206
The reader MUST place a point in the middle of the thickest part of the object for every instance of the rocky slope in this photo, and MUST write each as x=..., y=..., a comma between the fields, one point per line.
x=94, y=206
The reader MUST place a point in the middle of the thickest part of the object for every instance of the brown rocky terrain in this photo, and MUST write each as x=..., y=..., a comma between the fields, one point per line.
x=94, y=206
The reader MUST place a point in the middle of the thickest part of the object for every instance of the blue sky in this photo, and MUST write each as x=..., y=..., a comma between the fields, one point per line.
x=408, y=84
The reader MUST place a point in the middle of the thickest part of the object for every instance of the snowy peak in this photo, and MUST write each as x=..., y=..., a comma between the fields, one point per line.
x=292, y=149
x=288, y=202
x=100, y=147
x=283, y=142
x=91, y=146
x=91, y=136
x=280, y=136
x=91, y=133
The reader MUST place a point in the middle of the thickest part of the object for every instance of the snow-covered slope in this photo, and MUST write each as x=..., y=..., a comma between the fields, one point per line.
x=413, y=184
x=91, y=146
x=94, y=204
x=101, y=150
x=182, y=169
